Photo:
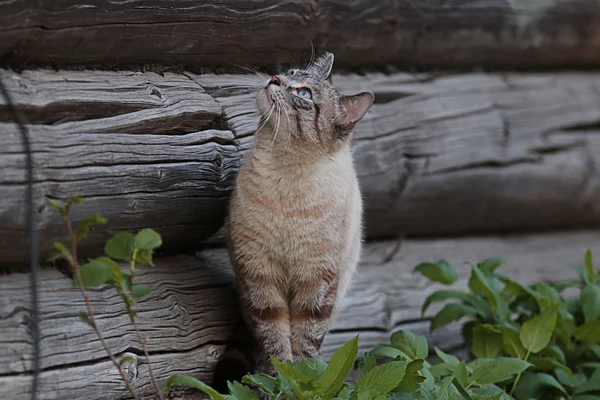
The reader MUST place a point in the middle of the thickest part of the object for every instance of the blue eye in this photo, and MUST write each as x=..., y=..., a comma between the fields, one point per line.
x=304, y=93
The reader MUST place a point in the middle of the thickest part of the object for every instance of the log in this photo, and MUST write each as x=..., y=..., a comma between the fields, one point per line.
x=363, y=33
x=436, y=155
x=191, y=311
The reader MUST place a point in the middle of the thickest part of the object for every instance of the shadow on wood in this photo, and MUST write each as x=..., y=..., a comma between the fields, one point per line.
x=363, y=33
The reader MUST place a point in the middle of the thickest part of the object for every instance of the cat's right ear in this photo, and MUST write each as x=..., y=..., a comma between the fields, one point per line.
x=353, y=108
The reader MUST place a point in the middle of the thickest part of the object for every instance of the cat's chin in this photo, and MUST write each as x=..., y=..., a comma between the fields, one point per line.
x=263, y=101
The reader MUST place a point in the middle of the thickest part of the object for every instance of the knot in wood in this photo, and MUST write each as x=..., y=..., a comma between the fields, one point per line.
x=129, y=364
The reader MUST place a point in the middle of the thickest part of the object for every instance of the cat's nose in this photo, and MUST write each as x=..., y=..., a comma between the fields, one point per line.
x=274, y=81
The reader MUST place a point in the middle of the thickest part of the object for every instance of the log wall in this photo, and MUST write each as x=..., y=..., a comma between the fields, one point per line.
x=436, y=155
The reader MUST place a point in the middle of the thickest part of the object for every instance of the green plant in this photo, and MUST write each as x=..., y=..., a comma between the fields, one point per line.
x=105, y=270
x=559, y=336
x=527, y=342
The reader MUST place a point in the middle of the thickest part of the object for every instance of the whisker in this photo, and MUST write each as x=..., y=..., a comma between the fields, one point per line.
x=265, y=120
x=312, y=53
x=289, y=141
x=276, y=131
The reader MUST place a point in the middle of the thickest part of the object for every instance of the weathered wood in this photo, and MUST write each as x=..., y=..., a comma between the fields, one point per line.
x=427, y=33
x=159, y=161
x=191, y=311
x=435, y=155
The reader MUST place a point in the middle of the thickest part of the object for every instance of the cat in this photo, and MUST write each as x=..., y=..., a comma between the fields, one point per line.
x=295, y=218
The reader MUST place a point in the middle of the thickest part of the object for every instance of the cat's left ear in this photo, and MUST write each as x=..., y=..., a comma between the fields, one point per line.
x=324, y=65
x=353, y=108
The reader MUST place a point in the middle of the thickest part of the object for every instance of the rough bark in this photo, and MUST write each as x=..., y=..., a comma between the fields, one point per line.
x=191, y=311
x=450, y=154
x=363, y=33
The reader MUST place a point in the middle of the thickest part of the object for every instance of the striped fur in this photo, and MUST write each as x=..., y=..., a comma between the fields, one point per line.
x=296, y=213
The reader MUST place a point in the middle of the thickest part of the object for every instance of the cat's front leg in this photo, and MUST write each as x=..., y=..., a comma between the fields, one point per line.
x=313, y=297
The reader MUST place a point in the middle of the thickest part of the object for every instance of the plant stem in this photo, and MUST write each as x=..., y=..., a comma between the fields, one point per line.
x=88, y=307
x=150, y=371
x=519, y=374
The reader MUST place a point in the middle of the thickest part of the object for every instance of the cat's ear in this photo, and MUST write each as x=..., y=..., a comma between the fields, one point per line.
x=353, y=108
x=323, y=66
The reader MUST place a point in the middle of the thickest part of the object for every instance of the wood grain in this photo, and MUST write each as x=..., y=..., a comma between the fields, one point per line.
x=135, y=146
x=363, y=33
x=436, y=155
x=191, y=311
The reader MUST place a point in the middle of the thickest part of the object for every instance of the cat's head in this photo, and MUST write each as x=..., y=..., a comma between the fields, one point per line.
x=303, y=105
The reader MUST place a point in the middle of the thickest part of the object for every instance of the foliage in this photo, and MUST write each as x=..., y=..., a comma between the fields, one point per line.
x=105, y=270
x=527, y=342
x=558, y=336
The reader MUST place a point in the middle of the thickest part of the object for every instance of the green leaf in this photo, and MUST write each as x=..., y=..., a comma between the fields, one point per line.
x=339, y=367
x=496, y=370
x=85, y=318
x=386, y=351
x=447, y=358
x=86, y=223
x=441, y=272
x=144, y=257
x=512, y=342
x=61, y=250
x=548, y=364
x=194, y=383
x=546, y=295
x=382, y=378
x=442, y=369
x=450, y=313
x=486, y=342
x=588, y=332
x=311, y=367
x=489, y=265
x=585, y=397
x=411, y=381
x=367, y=363
x=461, y=389
x=410, y=344
x=442, y=295
x=536, y=333
x=147, y=239
x=57, y=206
x=554, y=352
x=536, y=386
x=590, y=302
x=479, y=283
x=461, y=373
x=266, y=383
x=138, y=291
x=566, y=379
x=592, y=385
x=442, y=393
x=488, y=392
x=241, y=392
x=291, y=376
x=589, y=266
x=120, y=246
x=96, y=272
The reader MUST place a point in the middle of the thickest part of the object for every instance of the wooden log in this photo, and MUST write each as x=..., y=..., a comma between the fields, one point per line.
x=163, y=148
x=436, y=155
x=191, y=311
x=363, y=33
